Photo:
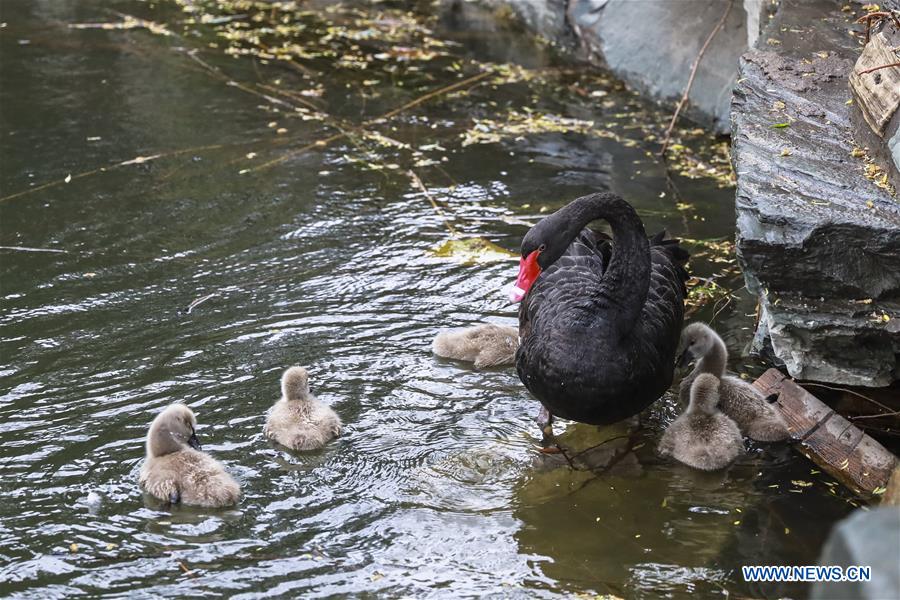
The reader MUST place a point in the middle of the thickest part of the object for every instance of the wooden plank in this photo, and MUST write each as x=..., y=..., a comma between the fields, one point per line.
x=878, y=92
x=828, y=439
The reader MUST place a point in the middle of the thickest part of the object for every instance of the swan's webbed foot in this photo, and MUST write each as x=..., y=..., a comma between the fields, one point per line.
x=548, y=441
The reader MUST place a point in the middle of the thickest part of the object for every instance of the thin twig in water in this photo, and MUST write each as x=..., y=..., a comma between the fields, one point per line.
x=393, y=113
x=27, y=249
x=439, y=92
x=687, y=89
x=134, y=161
x=437, y=208
x=840, y=389
x=890, y=414
x=595, y=446
x=199, y=301
x=187, y=571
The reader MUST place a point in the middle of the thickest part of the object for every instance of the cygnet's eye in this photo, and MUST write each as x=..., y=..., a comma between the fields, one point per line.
x=542, y=247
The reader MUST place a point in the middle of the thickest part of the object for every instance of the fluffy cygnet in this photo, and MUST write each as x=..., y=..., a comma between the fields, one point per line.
x=486, y=345
x=703, y=437
x=175, y=469
x=298, y=420
x=758, y=419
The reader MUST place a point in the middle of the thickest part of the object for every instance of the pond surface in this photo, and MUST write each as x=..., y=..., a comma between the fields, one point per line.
x=171, y=231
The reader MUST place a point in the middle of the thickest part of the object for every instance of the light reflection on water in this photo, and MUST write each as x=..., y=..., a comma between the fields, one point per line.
x=435, y=488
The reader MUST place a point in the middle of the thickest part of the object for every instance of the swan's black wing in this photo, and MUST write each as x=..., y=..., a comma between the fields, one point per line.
x=663, y=314
x=560, y=289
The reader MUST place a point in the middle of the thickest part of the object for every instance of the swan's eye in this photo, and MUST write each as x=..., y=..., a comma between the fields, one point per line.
x=542, y=247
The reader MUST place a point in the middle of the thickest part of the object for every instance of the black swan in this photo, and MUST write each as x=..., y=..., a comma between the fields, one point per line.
x=298, y=420
x=738, y=399
x=486, y=345
x=703, y=437
x=175, y=469
x=601, y=317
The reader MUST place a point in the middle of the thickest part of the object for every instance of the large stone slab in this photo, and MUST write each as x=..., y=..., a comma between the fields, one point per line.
x=651, y=45
x=819, y=243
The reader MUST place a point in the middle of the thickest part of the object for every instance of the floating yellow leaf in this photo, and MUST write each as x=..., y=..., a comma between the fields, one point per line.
x=473, y=250
x=801, y=483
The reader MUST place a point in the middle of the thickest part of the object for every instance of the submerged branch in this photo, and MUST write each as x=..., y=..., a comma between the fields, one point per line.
x=418, y=183
x=687, y=89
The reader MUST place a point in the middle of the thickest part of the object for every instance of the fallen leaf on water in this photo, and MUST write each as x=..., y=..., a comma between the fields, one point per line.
x=472, y=250
x=801, y=483
x=68, y=178
x=73, y=547
x=780, y=125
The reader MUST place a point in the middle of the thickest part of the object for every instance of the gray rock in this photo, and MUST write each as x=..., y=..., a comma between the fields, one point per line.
x=652, y=45
x=818, y=242
x=869, y=539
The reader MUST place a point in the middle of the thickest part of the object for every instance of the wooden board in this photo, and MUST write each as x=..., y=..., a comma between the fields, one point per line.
x=827, y=438
x=877, y=93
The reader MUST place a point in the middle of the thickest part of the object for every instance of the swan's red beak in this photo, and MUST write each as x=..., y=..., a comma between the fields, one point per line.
x=528, y=272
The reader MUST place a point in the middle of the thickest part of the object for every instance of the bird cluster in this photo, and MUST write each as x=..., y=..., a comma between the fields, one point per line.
x=720, y=408
x=177, y=470
x=587, y=300
x=600, y=322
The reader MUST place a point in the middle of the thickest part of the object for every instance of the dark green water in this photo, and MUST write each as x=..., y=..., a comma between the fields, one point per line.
x=436, y=489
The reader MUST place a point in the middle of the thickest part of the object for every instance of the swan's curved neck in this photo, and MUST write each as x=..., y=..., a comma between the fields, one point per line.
x=715, y=360
x=627, y=277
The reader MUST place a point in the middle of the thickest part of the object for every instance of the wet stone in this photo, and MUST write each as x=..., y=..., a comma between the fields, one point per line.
x=818, y=241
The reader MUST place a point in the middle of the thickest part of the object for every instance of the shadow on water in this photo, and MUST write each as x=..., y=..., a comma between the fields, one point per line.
x=323, y=255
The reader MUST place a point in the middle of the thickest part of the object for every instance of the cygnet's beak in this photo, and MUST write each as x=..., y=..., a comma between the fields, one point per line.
x=683, y=359
x=193, y=442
